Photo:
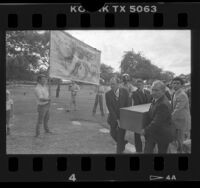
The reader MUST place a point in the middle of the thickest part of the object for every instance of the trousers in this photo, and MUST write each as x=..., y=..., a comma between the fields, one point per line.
x=150, y=145
x=138, y=142
x=98, y=100
x=118, y=135
x=43, y=118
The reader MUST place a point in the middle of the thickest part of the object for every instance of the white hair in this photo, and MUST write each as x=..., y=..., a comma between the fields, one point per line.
x=160, y=84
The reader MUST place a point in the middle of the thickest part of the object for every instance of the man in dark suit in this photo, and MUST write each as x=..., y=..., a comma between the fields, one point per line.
x=116, y=98
x=140, y=96
x=159, y=129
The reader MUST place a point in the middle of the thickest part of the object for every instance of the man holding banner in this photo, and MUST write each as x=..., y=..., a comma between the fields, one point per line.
x=43, y=104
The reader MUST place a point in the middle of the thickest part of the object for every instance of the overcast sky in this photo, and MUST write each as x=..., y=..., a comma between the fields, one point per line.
x=168, y=49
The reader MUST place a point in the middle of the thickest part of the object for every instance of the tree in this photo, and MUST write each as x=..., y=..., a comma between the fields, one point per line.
x=167, y=75
x=138, y=66
x=129, y=62
x=106, y=72
x=17, y=69
x=27, y=53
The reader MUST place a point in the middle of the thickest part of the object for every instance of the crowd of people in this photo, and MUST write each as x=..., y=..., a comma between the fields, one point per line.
x=169, y=119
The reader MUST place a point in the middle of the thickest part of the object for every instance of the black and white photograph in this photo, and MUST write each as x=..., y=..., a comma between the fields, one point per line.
x=98, y=92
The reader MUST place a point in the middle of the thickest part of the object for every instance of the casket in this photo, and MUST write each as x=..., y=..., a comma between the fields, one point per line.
x=134, y=118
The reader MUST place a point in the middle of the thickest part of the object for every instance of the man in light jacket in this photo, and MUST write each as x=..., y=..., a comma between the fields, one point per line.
x=181, y=117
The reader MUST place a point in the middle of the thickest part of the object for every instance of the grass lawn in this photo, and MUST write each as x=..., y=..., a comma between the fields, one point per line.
x=74, y=132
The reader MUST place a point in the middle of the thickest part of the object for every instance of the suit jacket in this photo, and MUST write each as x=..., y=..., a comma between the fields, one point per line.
x=141, y=98
x=181, y=110
x=159, y=127
x=114, y=105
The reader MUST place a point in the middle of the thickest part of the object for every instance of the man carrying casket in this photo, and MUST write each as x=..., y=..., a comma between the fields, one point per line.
x=159, y=129
x=116, y=98
x=140, y=96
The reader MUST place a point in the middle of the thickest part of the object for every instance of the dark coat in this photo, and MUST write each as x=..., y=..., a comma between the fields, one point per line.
x=160, y=127
x=141, y=98
x=114, y=105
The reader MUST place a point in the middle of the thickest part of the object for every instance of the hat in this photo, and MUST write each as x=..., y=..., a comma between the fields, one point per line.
x=125, y=77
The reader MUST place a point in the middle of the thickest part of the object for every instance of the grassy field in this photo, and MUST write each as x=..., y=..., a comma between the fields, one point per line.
x=74, y=132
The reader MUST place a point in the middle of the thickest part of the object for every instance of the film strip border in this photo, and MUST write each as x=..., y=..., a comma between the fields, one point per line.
x=109, y=22
x=96, y=167
x=149, y=16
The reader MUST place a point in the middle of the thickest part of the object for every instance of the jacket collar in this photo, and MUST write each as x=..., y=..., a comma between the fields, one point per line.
x=114, y=93
x=178, y=91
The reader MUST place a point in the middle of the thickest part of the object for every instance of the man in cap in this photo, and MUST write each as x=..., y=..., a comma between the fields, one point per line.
x=116, y=98
x=43, y=104
x=128, y=86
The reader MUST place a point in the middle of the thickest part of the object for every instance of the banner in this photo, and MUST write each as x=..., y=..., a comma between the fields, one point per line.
x=71, y=59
